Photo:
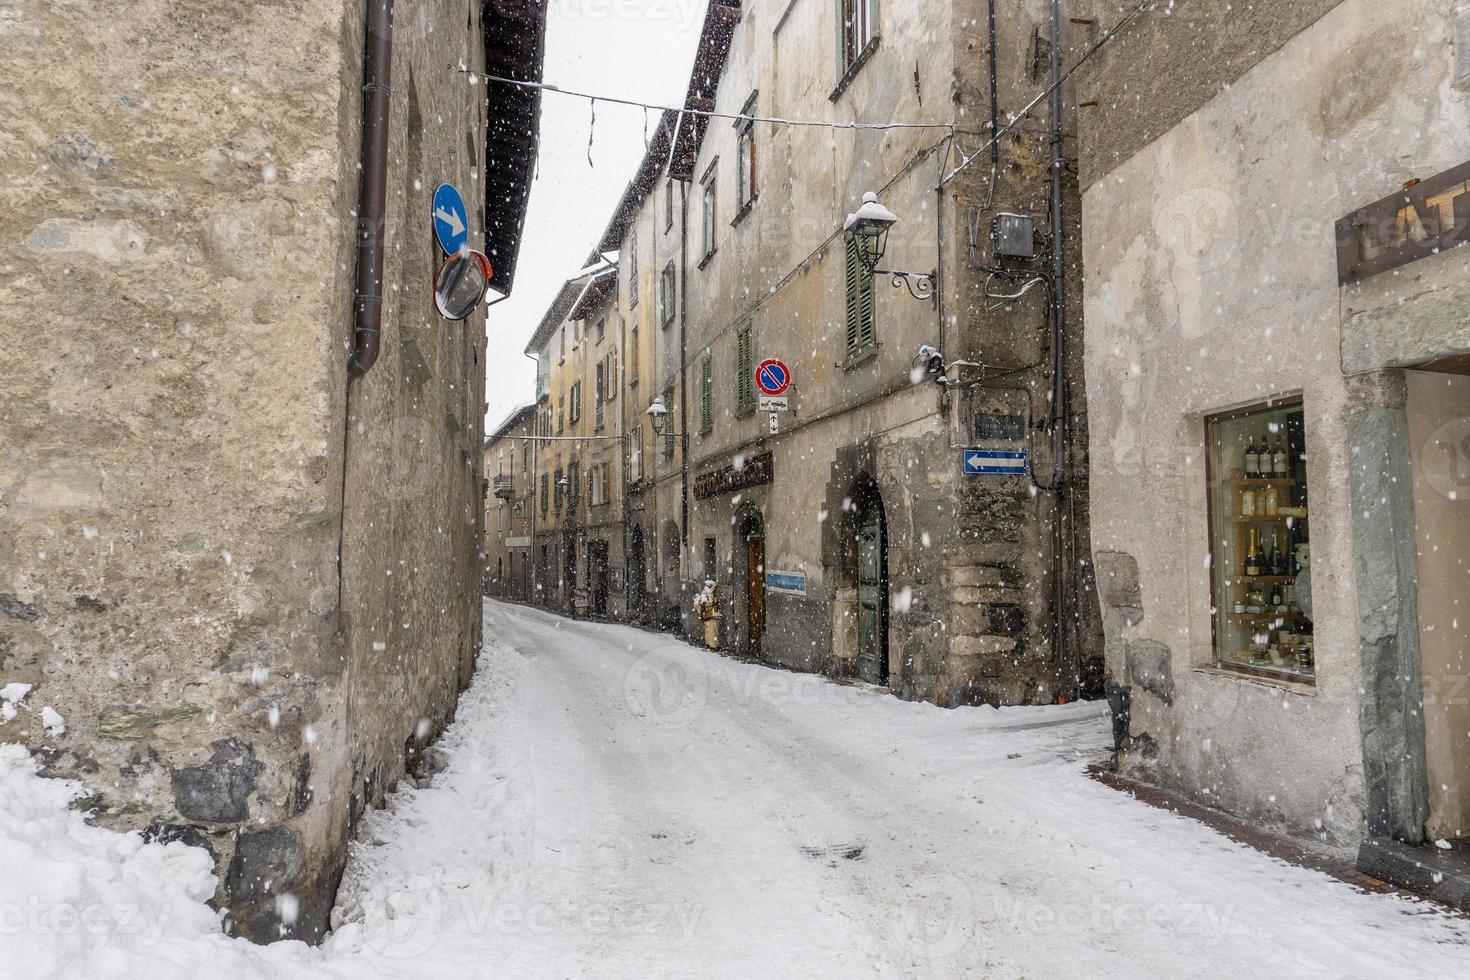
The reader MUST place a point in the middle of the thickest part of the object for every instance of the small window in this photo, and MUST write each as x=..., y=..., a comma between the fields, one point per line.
x=706, y=395
x=559, y=489
x=669, y=426
x=1259, y=541
x=669, y=205
x=576, y=402
x=545, y=494
x=561, y=415
x=668, y=295
x=745, y=157
x=612, y=375
x=633, y=354
x=709, y=208
x=574, y=484
x=561, y=342
x=635, y=453
x=744, y=369
x=860, y=334
x=633, y=269
x=859, y=29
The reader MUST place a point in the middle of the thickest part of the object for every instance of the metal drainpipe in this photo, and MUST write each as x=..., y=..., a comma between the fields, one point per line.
x=683, y=299
x=377, y=71
x=1059, y=359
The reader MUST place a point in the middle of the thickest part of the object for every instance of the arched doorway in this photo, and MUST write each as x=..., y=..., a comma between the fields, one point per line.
x=750, y=561
x=871, y=547
x=635, y=575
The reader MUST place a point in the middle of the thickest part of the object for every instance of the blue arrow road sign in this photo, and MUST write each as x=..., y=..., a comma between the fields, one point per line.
x=995, y=462
x=451, y=219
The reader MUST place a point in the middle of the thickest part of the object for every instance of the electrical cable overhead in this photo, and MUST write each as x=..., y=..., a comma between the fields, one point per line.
x=707, y=113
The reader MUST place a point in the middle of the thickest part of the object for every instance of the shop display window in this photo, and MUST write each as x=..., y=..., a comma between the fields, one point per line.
x=1259, y=541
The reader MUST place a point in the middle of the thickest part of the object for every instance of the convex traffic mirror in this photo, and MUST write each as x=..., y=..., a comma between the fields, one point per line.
x=461, y=284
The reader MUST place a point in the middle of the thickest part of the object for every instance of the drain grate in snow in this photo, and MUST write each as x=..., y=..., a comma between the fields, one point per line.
x=848, y=852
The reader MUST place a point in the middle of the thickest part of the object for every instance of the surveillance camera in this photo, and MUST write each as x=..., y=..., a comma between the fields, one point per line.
x=933, y=359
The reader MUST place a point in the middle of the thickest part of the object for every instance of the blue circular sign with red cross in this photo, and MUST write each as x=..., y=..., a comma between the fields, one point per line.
x=773, y=377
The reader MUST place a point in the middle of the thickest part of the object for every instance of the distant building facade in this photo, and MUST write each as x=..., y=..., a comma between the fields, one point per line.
x=849, y=540
x=510, y=500
x=1277, y=353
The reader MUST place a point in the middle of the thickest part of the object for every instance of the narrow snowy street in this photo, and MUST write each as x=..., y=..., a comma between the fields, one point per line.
x=616, y=803
x=662, y=811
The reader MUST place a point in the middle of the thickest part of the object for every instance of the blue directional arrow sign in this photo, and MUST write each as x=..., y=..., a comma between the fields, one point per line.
x=995, y=462
x=451, y=219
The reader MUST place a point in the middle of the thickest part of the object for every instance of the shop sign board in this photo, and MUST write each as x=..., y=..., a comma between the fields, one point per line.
x=1423, y=219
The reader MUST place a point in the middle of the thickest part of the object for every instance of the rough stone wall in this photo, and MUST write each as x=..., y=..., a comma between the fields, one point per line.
x=1212, y=284
x=178, y=244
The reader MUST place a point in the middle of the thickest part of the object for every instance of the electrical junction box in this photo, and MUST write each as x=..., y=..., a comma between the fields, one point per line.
x=1015, y=236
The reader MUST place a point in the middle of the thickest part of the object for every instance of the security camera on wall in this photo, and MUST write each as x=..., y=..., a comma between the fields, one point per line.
x=933, y=360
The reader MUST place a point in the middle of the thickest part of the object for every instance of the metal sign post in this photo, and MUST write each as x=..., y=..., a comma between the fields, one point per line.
x=773, y=378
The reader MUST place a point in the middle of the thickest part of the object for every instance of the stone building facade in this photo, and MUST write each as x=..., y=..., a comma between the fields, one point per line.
x=1261, y=267
x=851, y=542
x=577, y=471
x=244, y=584
x=510, y=498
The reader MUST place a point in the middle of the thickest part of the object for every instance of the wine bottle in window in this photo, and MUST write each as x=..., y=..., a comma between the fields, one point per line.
x=1275, y=563
x=1252, y=560
x=1252, y=461
x=1279, y=466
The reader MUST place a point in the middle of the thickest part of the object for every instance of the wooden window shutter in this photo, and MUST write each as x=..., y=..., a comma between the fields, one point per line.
x=744, y=369
x=706, y=394
x=860, y=335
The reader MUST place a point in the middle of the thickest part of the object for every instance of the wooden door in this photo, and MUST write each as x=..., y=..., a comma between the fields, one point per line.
x=872, y=598
x=755, y=590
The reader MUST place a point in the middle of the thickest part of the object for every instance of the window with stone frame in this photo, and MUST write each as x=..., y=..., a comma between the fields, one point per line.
x=1260, y=550
x=858, y=26
x=668, y=295
x=746, y=189
x=576, y=413
x=632, y=269
x=709, y=209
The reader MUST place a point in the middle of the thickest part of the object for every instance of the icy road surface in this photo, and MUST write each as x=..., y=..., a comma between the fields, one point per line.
x=619, y=804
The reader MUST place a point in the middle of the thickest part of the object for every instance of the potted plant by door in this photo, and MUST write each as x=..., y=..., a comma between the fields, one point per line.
x=707, y=607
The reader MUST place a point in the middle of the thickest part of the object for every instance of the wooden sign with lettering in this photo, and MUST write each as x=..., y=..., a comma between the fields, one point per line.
x=1430, y=217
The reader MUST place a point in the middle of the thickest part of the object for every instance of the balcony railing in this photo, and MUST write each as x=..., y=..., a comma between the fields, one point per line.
x=505, y=487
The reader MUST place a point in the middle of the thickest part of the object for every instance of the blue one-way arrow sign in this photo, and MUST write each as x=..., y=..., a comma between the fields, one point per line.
x=451, y=219
x=995, y=462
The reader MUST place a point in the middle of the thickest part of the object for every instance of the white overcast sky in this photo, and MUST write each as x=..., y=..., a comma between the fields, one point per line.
x=638, y=49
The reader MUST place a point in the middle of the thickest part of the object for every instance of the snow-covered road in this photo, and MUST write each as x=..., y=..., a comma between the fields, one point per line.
x=659, y=811
x=616, y=803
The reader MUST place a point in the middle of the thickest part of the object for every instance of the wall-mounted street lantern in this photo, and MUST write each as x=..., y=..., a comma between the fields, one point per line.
x=658, y=414
x=871, y=223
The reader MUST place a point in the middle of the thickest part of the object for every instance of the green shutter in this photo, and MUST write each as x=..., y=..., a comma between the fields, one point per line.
x=744, y=369
x=706, y=394
x=860, y=335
